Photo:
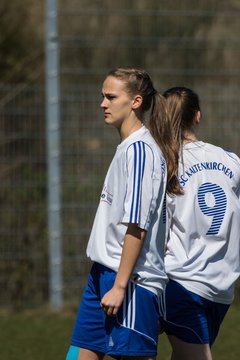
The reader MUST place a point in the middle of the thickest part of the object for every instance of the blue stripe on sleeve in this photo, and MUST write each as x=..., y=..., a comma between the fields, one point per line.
x=139, y=166
x=138, y=181
x=144, y=158
x=134, y=179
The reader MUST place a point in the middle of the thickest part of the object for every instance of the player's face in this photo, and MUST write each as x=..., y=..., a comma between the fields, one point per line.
x=117, y=104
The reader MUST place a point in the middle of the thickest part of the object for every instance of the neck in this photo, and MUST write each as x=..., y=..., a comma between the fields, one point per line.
x=128, y=128
x=189, y=137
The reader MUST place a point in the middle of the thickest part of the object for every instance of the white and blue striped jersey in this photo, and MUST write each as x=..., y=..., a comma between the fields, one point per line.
x=133, y=192
x=203, y=248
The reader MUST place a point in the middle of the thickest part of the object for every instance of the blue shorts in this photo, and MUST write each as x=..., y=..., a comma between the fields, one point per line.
x=189, y=316
x=133, y=332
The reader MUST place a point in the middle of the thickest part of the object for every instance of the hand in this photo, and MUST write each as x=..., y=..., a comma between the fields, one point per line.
x=112, y=301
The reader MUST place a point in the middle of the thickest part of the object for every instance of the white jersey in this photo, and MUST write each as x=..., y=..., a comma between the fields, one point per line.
x=203, y=249
x=133, y=192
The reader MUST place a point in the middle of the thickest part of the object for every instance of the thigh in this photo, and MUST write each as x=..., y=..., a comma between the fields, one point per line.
x=75, y=353
x=85, y=354
x=185, y=351
x=138, y=358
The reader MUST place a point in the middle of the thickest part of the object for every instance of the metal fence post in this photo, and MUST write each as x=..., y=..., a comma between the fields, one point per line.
x=53, y=154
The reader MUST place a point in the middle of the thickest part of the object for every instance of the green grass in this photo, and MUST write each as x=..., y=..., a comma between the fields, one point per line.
x=45, y=335
x=227, y=345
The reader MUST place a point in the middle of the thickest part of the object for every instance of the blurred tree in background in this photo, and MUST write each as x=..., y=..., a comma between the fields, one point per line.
x=191, y=34
x=21, y=40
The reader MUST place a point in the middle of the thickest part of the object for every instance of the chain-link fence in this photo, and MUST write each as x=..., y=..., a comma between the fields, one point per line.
x=194, y=44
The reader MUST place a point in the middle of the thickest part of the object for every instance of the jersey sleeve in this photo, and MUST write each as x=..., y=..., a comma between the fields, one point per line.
x=236, y=160
x=142, y=185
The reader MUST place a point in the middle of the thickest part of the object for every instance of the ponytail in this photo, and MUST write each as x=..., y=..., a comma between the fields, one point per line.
x=161, y=129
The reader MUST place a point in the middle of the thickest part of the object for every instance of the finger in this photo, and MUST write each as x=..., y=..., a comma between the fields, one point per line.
x=105, y=308
x=103, y=305
x=109, y=311
x=115, y=311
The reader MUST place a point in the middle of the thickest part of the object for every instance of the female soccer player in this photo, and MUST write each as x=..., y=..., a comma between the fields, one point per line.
x=118, y=314
x=203, y=249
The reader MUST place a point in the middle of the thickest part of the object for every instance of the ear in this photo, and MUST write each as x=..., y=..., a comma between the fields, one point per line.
x=137, y=102
x=198, y=117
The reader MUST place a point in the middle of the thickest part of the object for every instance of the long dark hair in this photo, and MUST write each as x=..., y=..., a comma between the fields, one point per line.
x=137, y=81
x=182, y=105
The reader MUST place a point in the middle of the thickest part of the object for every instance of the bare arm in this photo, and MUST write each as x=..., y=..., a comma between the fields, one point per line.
x=132, y=247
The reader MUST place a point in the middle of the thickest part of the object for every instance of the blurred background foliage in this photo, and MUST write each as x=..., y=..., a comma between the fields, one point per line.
x=21, y=41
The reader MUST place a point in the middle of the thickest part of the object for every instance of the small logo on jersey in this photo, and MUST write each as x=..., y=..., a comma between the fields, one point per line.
x=163, y=165
x=110, y=343
x=106, y=196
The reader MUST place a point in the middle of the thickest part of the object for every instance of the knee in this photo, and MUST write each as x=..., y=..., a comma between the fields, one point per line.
x=72, y=353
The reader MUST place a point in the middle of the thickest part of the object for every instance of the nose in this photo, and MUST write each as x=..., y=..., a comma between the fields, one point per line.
x=103, y=103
